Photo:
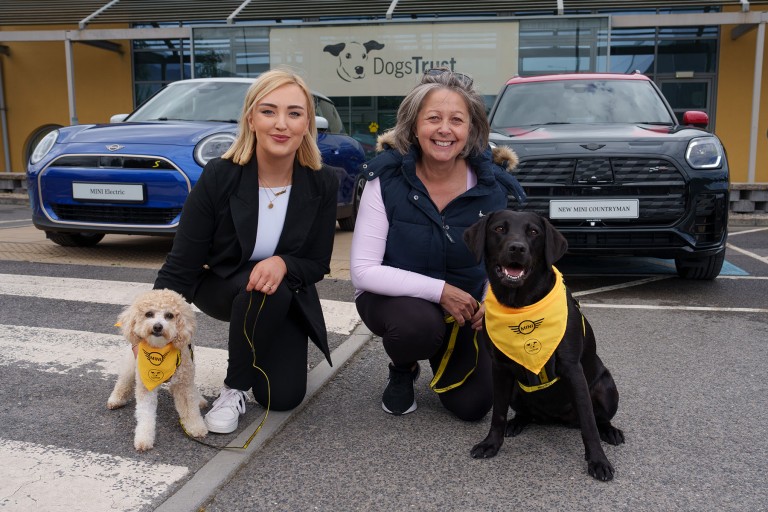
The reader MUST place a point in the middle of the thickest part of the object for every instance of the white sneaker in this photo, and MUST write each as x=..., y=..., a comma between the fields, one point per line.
x=226, y=410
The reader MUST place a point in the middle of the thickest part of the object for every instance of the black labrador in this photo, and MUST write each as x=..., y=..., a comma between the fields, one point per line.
x=574, y=387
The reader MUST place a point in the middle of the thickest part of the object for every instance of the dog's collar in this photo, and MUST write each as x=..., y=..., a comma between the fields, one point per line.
x=157, y=365
x=529, y=335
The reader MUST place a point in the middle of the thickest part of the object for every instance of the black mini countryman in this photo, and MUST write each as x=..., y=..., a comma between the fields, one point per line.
x=605, y=159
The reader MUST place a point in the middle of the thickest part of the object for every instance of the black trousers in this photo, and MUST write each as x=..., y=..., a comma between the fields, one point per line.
x=271, y=326
x=414, y=329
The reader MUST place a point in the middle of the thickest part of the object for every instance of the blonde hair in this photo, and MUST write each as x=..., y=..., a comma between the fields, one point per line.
x=242, y=150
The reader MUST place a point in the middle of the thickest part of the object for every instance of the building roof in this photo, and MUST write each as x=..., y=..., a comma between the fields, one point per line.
x=87, y=12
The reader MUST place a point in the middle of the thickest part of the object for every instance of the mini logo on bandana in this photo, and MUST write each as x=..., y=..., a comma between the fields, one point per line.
x=526, y=326
x=157, y=364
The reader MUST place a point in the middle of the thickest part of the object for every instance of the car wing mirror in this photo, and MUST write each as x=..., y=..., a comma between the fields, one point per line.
x=321, y=123
x=696, y=118
x=118, y=118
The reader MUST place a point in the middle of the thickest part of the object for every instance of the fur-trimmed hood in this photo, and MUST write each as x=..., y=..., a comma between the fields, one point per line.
x=503, y=156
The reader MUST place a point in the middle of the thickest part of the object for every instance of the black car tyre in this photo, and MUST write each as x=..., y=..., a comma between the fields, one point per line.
x=348, y=224
x=703, y=268
x=74, y=239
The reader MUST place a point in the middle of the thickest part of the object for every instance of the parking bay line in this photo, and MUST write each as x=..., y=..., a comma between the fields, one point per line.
x=340, y=316
x=678, y=308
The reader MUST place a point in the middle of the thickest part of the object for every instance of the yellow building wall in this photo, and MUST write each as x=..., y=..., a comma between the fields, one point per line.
x=35, y=83
x=734, y=104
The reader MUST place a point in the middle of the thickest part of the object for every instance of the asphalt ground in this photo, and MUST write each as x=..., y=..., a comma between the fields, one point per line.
x=688, y=359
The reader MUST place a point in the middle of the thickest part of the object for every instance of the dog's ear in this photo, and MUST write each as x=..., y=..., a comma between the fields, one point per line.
x=474, y=237
x=185, y=322
x=373, y=45
x=127, y=321
x=334, y=49
x=556, y=244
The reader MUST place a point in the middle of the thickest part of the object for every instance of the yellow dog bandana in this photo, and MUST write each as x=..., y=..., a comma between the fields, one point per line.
x=157, y=365
x=529, y=335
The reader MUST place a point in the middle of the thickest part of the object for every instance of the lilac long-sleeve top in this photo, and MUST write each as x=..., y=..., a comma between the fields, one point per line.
x=368, y=244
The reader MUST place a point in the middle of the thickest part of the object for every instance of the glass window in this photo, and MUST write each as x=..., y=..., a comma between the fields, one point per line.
x=231, y=51
x=563, y=45
x=687, y=55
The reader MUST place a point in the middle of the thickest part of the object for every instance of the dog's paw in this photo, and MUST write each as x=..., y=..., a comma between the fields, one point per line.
x=600, y=470
x=115, y=404
x=516, y=425
x=611, y=434
x=195, y=427
x=143, y=445
x=485, y=450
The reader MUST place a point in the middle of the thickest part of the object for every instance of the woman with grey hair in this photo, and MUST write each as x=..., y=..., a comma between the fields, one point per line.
x=417, y=284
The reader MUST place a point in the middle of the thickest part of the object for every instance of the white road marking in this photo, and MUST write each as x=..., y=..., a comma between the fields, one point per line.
x=756, y=230
x=68, y=352
x=676, y=308
x=629, y=284
x=340, y=317
x=78, y=480
x=747, y=253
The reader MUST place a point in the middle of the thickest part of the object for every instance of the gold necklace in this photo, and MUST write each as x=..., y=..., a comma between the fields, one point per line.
x=274, y=194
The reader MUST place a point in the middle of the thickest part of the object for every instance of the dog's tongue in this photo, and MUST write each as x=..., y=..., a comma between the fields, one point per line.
x=513, y=272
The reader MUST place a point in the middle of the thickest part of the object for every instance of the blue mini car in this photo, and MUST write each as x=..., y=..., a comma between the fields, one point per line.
x=133, y=175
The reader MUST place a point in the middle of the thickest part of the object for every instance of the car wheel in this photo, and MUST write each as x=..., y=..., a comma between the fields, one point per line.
x=74, y=239
x=704, y=268
x=348, y=224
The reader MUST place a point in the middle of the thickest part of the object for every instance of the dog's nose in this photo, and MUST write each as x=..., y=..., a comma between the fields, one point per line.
x=359, y=70
x=157, y=329
x=517, y=248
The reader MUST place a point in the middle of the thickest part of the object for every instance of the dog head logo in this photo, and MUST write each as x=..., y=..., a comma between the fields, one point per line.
x=526, y=326
x=352, y=57
x=532, y=346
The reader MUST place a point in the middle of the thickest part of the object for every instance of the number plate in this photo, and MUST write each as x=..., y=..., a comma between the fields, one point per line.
x=112, y=192
x=594, y=209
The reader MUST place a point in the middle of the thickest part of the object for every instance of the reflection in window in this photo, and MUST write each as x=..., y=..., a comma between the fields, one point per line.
x=562, y=46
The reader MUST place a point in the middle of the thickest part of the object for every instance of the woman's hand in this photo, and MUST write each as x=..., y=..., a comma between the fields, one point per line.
x=267, y=275
x=477, y=318
x=460, y=305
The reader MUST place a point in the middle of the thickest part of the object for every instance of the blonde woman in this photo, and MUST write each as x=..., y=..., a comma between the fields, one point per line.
x=256, y=234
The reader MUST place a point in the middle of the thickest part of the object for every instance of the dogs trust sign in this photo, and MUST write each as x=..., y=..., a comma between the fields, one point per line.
x=387, y=60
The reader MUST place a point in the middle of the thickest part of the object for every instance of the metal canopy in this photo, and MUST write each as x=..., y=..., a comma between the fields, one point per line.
x=88, y=12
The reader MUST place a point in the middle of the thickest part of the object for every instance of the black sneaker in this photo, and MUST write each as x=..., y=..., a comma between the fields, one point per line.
x=398, y=396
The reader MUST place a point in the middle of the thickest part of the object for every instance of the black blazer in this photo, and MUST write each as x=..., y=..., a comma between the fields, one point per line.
x=218, y=231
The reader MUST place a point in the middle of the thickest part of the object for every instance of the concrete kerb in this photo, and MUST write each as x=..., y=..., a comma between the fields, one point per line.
x=202, y=487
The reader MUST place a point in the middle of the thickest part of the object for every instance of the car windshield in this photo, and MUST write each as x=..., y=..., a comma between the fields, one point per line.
x=194, y=101
x=580, y=101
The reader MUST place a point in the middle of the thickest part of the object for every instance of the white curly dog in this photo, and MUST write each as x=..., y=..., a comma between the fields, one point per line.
x=159, y=326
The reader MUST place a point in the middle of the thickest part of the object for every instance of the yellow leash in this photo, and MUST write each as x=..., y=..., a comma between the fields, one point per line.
x=269, y=390
x=447, y=356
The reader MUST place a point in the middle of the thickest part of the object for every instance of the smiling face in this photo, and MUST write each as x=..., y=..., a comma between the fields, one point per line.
x=442, y=126
x=279, y=121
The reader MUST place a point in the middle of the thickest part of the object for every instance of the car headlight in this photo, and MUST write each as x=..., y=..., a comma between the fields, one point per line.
x=44, y=146
x=212, y=146
x=704, y=153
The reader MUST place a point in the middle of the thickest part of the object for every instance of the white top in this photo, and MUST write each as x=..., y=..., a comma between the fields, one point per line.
x=271, y=222
x=369, y=241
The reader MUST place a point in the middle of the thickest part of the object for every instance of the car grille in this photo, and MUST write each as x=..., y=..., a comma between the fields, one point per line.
x=112, y=162
x=658, y=185
x=108, y=214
